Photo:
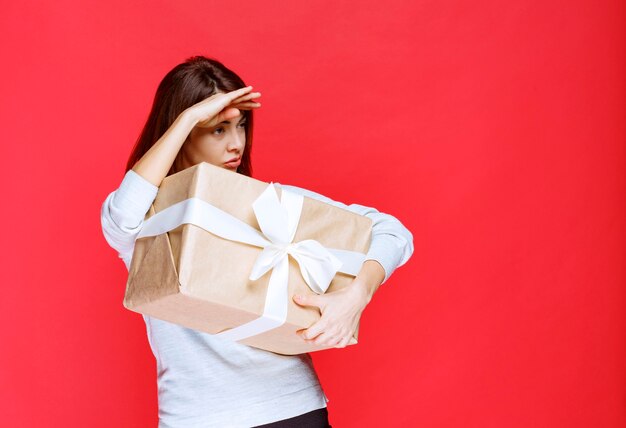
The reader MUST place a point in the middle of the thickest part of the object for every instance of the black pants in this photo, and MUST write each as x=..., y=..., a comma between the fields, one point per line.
x=313, y=419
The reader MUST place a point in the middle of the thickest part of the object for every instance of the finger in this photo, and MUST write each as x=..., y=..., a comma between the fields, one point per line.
x=312, y=332
x=343, y=342
x=309, y=300
x=325, y=339
x=309, y=334
x=337, y=341
x=248, y=105
x=227, y=113
x=232, y=95
x=228, y=99
x=246, y=97
x=314, y=340
x=230, y=113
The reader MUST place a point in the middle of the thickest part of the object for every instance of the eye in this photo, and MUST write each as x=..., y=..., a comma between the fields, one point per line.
x=217, y=129
x=242, y=124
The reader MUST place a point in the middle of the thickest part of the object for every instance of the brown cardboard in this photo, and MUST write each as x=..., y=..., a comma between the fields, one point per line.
x=193, y=278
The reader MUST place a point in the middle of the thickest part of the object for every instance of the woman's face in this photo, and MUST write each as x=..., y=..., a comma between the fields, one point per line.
x=217, y=145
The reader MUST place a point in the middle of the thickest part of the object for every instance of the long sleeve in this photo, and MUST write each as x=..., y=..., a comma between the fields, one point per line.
x=123, y=212
x=392, y=242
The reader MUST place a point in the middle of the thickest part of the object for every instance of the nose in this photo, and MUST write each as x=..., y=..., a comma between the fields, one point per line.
x=237, y=141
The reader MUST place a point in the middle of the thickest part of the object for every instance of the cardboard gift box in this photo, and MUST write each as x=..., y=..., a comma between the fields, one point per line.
x=224, y=253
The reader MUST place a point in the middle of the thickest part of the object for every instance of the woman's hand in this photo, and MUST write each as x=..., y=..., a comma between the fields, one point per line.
x=341, y=311
x=223, y=106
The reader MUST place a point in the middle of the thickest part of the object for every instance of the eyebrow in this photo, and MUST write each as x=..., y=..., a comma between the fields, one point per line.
x=243, y=117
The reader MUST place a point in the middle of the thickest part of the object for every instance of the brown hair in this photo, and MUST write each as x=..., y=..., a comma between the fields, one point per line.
x=186, y=84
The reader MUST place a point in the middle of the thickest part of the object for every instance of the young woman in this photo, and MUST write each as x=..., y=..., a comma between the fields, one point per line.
x=202, y=111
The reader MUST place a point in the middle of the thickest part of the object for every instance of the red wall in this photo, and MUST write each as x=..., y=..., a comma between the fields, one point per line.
x=495, y=131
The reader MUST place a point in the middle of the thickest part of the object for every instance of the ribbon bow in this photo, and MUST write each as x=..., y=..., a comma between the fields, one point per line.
x=278, y=222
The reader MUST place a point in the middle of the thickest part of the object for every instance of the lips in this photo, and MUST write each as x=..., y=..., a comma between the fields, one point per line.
x=233, y=160
x=233, y=163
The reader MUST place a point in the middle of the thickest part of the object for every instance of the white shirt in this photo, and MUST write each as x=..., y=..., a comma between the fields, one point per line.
x=205, y=381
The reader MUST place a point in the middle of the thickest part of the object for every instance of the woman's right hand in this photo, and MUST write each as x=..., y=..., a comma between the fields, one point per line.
x=223, y=106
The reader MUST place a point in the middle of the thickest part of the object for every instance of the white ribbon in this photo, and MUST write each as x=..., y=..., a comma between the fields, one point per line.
x=278, y=221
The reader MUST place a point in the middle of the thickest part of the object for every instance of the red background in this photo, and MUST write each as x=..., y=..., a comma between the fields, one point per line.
x=493, y=130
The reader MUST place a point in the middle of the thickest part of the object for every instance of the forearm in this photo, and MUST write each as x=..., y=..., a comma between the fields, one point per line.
x=391, y=245
x=369, y=279
x=157, y=161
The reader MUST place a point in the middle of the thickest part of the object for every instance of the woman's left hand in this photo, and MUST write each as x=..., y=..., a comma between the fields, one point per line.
x=340, y=314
